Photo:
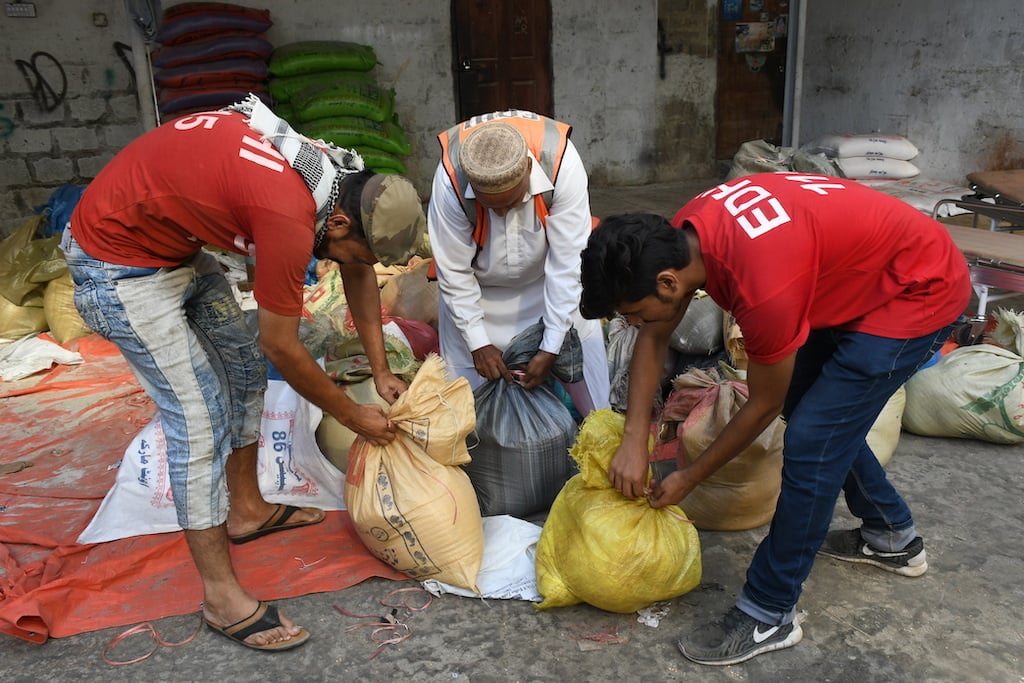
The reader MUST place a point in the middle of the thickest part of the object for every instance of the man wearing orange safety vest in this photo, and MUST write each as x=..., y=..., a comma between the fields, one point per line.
x=509, y=215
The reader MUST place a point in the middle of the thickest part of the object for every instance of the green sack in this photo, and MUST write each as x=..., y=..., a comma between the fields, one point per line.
x=381, y=162
x=309, y=56
x=354, y=131
x=283, y=88
x=344, y=98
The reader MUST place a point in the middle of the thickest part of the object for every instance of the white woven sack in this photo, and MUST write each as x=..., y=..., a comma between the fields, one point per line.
x=863, y=145
x=290, y=466
x=876, y=167
x=973, y=392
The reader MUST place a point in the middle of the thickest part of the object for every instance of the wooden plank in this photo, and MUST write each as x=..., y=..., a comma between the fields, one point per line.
x=1006, y=186
x=998, y=246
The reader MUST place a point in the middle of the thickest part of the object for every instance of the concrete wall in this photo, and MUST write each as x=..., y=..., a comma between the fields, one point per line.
x=631, y=127
x=942, y=73
x=945, y=74
x=684, y=140
x=49, y=139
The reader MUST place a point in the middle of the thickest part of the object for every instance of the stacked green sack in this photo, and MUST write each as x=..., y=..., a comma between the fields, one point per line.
x=326, y=91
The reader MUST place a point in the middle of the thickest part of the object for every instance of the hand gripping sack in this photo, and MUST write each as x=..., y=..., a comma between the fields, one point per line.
x=742, y=493
x=521, y=459
x=973, y=392
x=410, y=502
x=598, y=547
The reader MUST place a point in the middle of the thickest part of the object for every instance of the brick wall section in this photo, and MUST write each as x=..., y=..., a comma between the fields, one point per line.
x=67, y=146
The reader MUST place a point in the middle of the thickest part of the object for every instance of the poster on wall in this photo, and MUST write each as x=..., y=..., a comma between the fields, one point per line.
x=755, y=36
x=732, y=10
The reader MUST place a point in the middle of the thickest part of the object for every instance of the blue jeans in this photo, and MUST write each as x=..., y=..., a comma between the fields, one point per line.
x=840, y=384
x=188, y=343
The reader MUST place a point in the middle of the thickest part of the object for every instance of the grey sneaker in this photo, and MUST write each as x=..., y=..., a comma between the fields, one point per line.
x=849, y=546
x=737, y=637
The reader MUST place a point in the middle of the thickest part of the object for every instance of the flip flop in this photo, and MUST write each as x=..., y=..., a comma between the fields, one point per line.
x=264, y=618
x=278, y=521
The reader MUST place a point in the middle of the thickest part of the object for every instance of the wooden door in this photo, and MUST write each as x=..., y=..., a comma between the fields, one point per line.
x=502, y=56
x=751, y=73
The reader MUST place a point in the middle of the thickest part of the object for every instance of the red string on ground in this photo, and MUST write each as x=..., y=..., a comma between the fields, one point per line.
x=150, y=630
x=390, y=628
x=611, y=634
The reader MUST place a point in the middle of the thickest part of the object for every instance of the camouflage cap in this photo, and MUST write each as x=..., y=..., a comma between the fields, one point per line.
x=393, y=219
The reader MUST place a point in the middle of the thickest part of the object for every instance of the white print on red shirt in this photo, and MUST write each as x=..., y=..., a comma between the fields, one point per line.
x=276, y=162
x=265, y=155
x=757, y=210
x=206, y=120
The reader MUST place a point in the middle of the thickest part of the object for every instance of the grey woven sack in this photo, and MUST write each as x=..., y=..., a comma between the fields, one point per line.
x=520, y=456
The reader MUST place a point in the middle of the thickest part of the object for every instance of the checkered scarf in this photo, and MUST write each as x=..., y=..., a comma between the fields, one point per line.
x=321, y=164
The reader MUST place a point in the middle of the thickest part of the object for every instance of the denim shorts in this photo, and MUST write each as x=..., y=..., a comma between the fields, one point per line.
x=192, y=350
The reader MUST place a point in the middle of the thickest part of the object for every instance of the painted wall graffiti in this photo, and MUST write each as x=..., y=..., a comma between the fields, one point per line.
x=6, y=125
x=43, y=92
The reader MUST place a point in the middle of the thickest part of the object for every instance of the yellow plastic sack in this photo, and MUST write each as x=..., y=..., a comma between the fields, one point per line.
x=410, y=502
x=600, y=548
x=20, y=321
x=61, y=315
x=884, y=436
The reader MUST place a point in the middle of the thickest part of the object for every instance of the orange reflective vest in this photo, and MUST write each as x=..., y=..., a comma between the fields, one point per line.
x=546, y=139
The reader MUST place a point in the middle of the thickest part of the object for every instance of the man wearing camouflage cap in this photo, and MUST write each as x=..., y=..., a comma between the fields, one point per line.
x=241, y=180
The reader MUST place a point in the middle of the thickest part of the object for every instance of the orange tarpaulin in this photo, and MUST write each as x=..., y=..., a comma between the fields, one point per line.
x=68, y=429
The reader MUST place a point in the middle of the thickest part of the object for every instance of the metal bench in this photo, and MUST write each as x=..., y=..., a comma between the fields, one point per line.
x=998, y=196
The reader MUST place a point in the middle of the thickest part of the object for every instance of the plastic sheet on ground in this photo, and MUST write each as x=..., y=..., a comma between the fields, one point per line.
x=74, y=423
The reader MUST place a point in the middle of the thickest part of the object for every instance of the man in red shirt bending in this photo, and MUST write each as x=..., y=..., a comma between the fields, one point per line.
x=841, y=293
x=244, y=181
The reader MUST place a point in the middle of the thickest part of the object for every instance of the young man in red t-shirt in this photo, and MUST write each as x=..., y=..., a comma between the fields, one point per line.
x=244, y=181
x=842, y=293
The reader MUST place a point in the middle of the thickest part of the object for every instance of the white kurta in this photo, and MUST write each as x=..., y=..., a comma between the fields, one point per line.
x=523, y=273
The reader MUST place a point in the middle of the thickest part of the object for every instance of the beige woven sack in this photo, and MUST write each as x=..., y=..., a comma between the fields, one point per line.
x=410, y=295
x=412, y=505
x=743, y=492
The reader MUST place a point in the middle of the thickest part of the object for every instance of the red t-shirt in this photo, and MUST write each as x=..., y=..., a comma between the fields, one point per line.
x=203, y=179
x=788, y=253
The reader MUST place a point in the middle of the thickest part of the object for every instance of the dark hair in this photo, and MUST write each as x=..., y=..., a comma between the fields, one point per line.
x=350, y=196
x=622, y=260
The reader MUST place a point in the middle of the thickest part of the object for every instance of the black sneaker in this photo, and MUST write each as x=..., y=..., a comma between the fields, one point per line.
x=737, y=637
x=849, y=546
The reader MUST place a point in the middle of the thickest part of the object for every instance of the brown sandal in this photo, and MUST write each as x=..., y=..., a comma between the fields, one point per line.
x=264, y=618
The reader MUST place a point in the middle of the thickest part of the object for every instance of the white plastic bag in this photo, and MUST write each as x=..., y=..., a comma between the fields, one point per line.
x=290, y=466
x=508, y=569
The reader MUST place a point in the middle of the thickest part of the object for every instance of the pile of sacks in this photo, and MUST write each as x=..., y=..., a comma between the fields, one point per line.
x=409, y=314
x=326, y=91
x=869, y=155
x=36, y=291
x=211, y=54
